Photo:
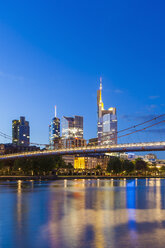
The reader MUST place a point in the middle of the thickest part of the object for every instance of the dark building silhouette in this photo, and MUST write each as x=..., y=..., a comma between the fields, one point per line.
x=20, y=132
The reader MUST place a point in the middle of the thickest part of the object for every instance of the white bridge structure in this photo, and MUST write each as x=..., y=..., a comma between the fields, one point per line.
x=88, y=150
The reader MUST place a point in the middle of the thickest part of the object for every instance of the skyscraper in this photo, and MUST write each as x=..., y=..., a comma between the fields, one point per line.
x=72, y=127
x=107, y=121
x=72, y=131
x=20, y=132
x=54, y=131
x=100, y=108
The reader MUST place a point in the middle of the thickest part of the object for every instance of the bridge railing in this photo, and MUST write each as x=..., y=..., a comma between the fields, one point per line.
x=85, y=149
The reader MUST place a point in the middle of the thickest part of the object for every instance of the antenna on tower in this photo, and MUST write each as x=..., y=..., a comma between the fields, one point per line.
x=55, y=111
x=100, y=83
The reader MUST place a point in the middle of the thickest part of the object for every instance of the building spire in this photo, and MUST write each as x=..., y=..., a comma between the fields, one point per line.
x=100, y=83
x=100, y=104
x=100, y=100
x=55, y=111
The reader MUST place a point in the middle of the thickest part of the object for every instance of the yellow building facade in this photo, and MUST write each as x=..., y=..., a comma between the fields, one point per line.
x=79, y=163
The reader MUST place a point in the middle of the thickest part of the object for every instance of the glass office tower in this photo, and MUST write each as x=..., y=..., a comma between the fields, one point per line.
x=109, y=127
x=54, y=131
x=107, y=122
x=72, y=131
x=20, y=132
x=72, y=127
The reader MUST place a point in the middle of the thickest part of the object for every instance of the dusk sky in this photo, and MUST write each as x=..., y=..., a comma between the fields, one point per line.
x=53, y=53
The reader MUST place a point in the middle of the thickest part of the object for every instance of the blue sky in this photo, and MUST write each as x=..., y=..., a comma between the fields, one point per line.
x=53, y=53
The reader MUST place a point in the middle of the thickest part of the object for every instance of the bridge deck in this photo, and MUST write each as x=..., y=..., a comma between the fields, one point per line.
x=130, y=147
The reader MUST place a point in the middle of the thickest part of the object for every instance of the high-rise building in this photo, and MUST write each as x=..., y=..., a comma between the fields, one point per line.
x=20, y=132
x=107, y=121
x=72, y=131
x=54, y=131
x=72, y=127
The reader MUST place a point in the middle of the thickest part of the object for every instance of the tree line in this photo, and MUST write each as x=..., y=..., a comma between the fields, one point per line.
x=33, y=166
x=118, y=166
x=47, y=164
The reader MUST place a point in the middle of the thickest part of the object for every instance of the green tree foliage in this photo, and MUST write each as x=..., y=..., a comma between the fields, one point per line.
x=162, y=168
x=154, y=170
x=2, y=164
x=140, y=165
x=6, y=165
x=36, y=165
x=114, y=165
x=128, y=166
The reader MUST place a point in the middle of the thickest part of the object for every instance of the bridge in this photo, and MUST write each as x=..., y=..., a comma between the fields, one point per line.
x=101, y=149
x=130, y=147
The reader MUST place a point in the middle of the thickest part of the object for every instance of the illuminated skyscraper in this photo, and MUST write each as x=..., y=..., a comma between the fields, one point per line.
x=20, y=132
x=54, y=131
x=107, y=121
x=100, y=108
x=72, y=127
x=72, y=131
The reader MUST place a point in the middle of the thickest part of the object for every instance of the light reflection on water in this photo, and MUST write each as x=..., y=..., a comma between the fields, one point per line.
x=83, y=213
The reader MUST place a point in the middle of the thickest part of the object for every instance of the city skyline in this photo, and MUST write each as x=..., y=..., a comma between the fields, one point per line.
x=38, y=68
x=101, y=113
x=91, y=174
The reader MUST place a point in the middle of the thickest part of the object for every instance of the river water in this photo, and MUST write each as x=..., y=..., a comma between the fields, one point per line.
x=82, y=213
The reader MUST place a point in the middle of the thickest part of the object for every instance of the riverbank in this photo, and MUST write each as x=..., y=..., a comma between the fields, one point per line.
x=27, y=178
x=106, y=177
x=35, y=178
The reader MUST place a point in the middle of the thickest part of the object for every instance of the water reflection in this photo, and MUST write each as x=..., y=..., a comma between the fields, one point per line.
x=83, y=213
x=19, y=203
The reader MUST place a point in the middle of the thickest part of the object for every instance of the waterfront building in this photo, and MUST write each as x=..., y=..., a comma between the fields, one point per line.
x=85, y=162
x=54, y=132
x=72, y=132
x=20, y=132
x=91, y=162
x=107, y=121
x=79, y=163
x=150, y=157
x=69, y=159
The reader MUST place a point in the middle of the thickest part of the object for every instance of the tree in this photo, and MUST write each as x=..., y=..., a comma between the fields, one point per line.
x=128, y=166
x=140, y=165
x=154, y=170
x=2, y=164
x=5, y=165
x=38, y=165
x=162, y=168
x=25, y=164
x=114, y=165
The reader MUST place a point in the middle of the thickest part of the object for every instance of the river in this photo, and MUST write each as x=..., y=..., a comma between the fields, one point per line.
x=82, y=213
